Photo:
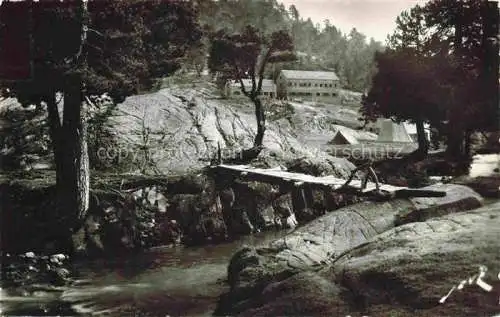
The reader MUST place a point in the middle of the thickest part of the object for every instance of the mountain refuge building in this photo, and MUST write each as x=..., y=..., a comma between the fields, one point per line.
x=307, y=85
x=318, y=86
x=233, y=87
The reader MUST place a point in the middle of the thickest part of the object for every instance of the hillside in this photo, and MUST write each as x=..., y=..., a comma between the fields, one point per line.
x=182, y=125
x=188, y=122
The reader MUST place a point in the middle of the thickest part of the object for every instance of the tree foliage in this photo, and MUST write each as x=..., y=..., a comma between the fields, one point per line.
x=406, y=87
x=129, y=44
x=433, y=70
x=325, y=47
x=245, y=55
x=83, y=49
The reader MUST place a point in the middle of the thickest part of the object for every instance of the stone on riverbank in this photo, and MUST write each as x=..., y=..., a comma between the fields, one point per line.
x=325, y=239
x=413, y=266
x=487, y=186
x=405, y=271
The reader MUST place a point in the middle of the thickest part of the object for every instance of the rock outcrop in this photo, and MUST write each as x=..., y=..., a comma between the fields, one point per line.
x=130, y=212
x=183, y=126
x=178, y=130
x=326, y=239
x=419, y=269
x=24, y=140
x=414, y=266
x=487, y=186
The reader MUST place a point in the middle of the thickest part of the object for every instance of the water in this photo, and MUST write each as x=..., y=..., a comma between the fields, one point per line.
x=163, y=281
x=484, y=165
x=160, y=282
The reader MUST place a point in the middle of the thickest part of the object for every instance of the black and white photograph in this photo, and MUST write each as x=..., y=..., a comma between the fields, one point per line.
x=202, y=158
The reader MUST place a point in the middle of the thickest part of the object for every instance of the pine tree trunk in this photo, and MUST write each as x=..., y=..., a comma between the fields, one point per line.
x=75, y=178
x=56, y=136
x=455, y=135
x=423, y=143
x=454, y=144
x=468, y=141
x=261, y=122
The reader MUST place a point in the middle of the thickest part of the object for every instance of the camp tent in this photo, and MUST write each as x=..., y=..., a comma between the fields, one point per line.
x=343, y=138
x=393, y=132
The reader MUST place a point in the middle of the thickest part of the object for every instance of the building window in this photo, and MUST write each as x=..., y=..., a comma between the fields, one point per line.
x=308, y=94
x=289, y=84
x=265, y=93
x=236, y=92
x=316, y=85
x=318, y=94
x=321, y=85
x=331, y=85
x=325, y=94
x=334, y=94
x=309, y=85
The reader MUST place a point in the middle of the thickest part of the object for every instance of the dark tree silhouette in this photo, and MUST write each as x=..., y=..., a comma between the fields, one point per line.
x=408, y=70
x=457, y=32
x=82, y=49
x=436, y=63
x=406, y=88
x=245, y=55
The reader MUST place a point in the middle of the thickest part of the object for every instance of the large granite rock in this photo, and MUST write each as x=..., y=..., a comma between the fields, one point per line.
x=185, y=125
x=413, y=266
x=411, y=270
x=178, y=129
x=487, y=186
x=326, y=238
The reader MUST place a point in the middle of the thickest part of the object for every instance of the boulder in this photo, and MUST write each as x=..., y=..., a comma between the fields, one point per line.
x=328, y=237
x=303, y=294
x=414, y=266
x=487, y=186
x=322, y=165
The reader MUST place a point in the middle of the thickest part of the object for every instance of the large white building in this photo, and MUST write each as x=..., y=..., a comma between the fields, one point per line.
x=233, y=88
x=307, y=85
x=294, y=84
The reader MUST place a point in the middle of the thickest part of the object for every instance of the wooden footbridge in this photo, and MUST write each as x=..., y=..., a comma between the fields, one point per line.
x=362, y=187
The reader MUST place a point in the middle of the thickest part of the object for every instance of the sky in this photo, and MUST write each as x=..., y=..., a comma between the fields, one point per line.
x=374, y=18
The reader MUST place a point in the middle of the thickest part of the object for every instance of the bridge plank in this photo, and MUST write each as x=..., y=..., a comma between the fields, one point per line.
x=276, y=175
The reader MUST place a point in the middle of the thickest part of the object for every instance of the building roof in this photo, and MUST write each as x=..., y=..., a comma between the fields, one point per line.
x=304, y=74
x=266, y=83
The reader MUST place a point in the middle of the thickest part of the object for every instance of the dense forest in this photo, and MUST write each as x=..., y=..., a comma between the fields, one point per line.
x=319, y=47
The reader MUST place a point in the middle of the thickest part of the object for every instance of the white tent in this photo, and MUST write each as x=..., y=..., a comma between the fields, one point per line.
x=343, y=138
x=393, y=132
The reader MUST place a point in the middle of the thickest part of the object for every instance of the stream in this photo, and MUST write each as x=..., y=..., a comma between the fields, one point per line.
x=484, y=165
x=164, y=281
